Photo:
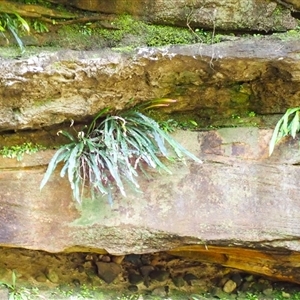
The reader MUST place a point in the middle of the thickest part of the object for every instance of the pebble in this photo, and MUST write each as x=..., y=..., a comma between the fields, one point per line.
x=134, y=278
x=108, y=271
x=259, y=286
x=76, y=282
x=245, y=286
x=178, y=281
x=159, y=292
x=229, y=286
x=105, y=258
x=89, y=257
x=217, y=292
x=223, y=280
x=133, y=288
x=237, y=278
x=145, y=259
x=147, y=282
x=285, y=295
x=249, y=278
x=189, y=277
x=134, y=259
x=145, y=270
x=268, y=292
x=40, y=278
x=159, y=275
x=52, y=275
x=118, y=259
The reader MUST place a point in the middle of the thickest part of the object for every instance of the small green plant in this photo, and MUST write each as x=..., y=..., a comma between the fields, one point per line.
x=159, y=35
x=168, y=126
x=39, y=26
x=113, y=149
x=128, y=297
x=16, y=293
x=251, y=296
x=171, y=125
x=87, y=292
x=18, y=151
x=14, y=23
x=289, y=124
x=86, y=29
x=235, y=116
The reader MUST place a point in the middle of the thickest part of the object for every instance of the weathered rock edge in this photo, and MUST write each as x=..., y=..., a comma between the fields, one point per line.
x=260, y=75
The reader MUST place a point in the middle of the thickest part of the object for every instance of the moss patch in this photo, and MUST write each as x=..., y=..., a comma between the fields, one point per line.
x=121, y=32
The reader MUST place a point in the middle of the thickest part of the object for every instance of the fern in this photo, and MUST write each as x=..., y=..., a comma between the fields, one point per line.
x=288, y=124
x=112, y=151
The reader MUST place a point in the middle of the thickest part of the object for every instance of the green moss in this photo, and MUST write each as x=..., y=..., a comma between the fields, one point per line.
x=166, y=35
x=93, y=211
x=74, y=37
x=277, y=11
x=239, y=98
x=18, y=151
x=125, y=49
x=131, y=32
x=293, y=34
x=127, y=32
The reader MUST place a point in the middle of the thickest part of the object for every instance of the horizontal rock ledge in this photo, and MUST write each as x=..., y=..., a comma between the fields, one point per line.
x=248, y=15
x=238, y=196
x=225, y=79
x=240, y=208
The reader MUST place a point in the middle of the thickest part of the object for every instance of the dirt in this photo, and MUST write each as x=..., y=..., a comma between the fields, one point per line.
x=42, y=275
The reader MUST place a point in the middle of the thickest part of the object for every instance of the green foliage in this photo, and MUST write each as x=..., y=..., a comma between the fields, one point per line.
x=128, y=297
x=207, y=37
x=166, y=35
x=16, y=293
x=152, y=35
x=251, y=296
x=113, y=149
x=86, y=29
x=171, y=125
x=39, y=26
x=18, y=151
x=251, y=114
x=15, y=24
x=289, y=124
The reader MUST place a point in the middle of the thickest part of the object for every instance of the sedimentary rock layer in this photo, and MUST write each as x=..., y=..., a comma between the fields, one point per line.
x=260, y=75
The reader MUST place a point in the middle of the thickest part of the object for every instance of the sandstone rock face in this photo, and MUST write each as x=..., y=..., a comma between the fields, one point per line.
x=239, y=208
x=222, y=14
x=260, y=75
x=238, y=196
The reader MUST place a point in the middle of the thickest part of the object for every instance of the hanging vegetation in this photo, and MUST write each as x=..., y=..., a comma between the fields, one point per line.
x=115, y=149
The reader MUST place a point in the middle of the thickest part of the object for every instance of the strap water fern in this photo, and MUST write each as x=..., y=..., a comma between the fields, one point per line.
x=114, y=149
x=289, y=124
